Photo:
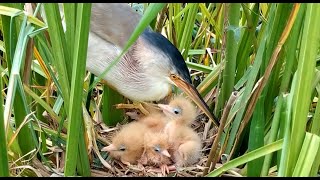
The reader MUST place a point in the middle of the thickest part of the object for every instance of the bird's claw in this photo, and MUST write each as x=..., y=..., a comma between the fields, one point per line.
x=164, y=169
x=140, y=166
x=172, y=168
x=132, y=106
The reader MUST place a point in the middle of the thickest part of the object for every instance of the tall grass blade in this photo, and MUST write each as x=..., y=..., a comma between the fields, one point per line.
x=231, y=54
x=290, y=49
x=307, y=155
x=61, y=55
x=25, y=136
x=256, y=136
x=78, y=71
x=111, y=116
x=260, y=152
x=305, y=72
x=4, y=166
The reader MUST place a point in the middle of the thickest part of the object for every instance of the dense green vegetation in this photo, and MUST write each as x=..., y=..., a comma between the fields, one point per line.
x=255, y=64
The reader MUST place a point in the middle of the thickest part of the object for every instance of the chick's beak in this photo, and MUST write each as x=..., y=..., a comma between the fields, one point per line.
x=165, y=108
x=165, y=153
x=109, y=148
x=195, y=96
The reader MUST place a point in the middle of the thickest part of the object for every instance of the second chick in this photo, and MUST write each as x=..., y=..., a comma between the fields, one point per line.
x=156, y=146
x=185, y=142
x=127, y=145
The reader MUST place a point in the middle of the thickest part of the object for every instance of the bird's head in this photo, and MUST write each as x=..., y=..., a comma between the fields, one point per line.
x=171, y=65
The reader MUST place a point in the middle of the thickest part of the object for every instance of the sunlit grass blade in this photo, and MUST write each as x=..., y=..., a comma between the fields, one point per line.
x=246, y=94
x=307, y=155
x=187, y=30
x=277, y=81
x=4, y=166
x=211, y=80
x=70, y=10
x=229, y=71
x=290, y=48
x=256, y=136
x=8, y=11
x=10, y=36
x=315, y=166
x=268, y=70
x=305, y=72
x=285, y=131
x=61, y=56
x=247, y=40
x=257, y=153
x=282, y=19
x=20, y=112
x=42, y=103
x=199, y=67
x=76, y=93
x=273, y=135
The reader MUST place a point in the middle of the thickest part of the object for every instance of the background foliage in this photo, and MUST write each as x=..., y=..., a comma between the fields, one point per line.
x=256, y=65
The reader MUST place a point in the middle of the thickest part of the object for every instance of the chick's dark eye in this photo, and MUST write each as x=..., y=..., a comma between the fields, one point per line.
x=122, y=148
x=177, y=111
x=156, y=149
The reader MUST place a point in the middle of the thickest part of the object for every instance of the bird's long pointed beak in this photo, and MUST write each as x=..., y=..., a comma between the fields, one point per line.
x=109, y=148
x=196, y=97
x=166, y=153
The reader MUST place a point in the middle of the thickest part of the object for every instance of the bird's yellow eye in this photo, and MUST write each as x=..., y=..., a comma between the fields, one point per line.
x=174, y=76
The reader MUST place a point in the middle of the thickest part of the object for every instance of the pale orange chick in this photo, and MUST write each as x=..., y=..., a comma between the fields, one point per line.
x=181, y=110
x=155, y=120
x=156, y=146
x=185, y=142
x=127, y=145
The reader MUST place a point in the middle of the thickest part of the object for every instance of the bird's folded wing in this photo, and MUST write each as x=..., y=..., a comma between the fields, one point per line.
x=113, y=22
x=100, y=54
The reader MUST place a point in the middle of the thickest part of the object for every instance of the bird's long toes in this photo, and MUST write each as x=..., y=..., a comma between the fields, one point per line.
x=164, y=169
x=172, y=168
x=156, y=170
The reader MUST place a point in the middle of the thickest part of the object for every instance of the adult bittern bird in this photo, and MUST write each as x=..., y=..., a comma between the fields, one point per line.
x=149, y=68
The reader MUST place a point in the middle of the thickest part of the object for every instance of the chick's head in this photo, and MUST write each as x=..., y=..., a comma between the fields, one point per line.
x=180, y=109
x=127, y=144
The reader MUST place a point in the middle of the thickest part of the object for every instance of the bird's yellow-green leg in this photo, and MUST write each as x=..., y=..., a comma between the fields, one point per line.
x=134, y=105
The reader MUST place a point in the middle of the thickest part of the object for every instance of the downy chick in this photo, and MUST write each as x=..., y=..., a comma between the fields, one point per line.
x=181, y=110
x=156, y=146
x=185, y=142
x=185, y=145
x=127, y=144
x=155, y=120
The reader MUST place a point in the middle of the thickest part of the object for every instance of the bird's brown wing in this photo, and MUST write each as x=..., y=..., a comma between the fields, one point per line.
x=113, y=22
